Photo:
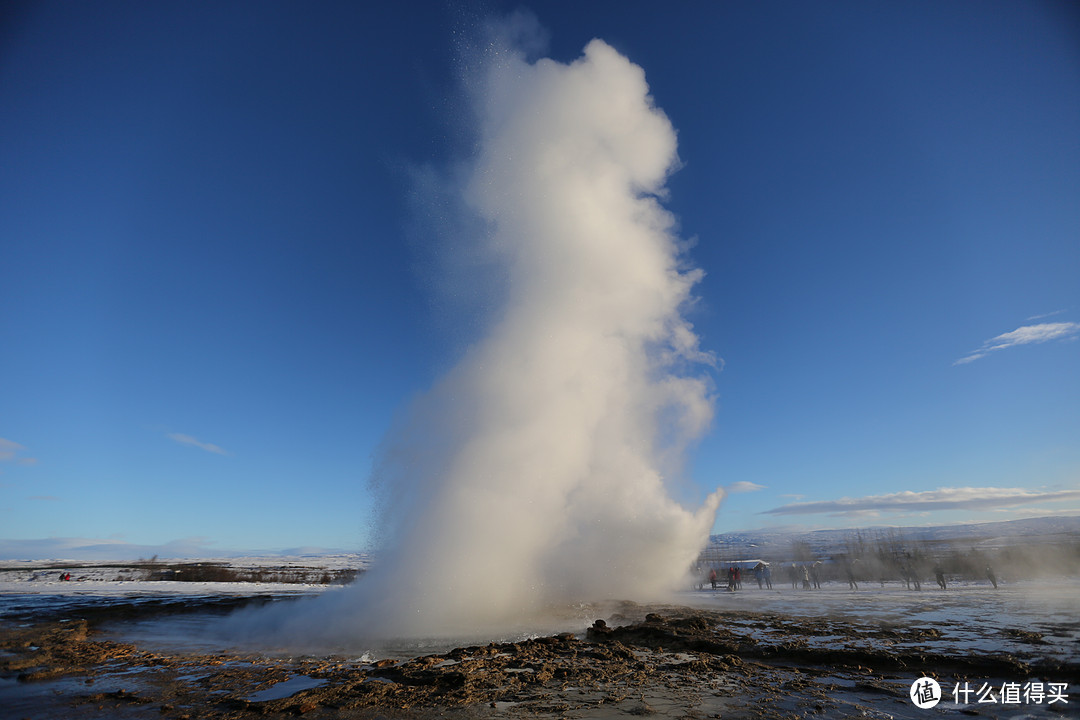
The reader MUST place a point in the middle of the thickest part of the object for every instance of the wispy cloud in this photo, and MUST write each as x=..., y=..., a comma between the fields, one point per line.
x=195, y=442
x=743, y=486
x=1044, y=315
x=10, y=450
x=966, y=498
x=1024, y=335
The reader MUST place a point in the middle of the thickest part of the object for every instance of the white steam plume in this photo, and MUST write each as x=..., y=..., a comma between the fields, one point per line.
x=535, y=473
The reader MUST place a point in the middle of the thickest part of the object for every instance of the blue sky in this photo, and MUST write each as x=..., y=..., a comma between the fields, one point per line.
x=218, y=288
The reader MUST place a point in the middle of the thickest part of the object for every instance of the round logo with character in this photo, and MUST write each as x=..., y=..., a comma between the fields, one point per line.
x=925, y=693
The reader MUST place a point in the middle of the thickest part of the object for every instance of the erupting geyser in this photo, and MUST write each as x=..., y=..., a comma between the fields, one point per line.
x=535, y=473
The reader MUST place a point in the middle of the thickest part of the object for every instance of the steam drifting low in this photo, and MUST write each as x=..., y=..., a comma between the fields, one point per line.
x=536, y=473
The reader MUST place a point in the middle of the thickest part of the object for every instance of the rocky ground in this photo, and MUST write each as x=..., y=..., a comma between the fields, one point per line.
x=660, y=661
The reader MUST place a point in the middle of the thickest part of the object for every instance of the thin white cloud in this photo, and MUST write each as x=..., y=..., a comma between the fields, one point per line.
x=1045, y=315
x=8, y=449
x=9, y=452
x=1038, y=512
x=743, y=486
x=1025, y=335
x=967, y=498
x=195, y=442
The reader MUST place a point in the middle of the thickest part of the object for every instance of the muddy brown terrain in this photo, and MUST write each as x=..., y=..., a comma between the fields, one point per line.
x=659, y=661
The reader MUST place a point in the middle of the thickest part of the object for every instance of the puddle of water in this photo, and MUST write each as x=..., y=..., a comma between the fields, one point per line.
x=286, y=688
x=192, y=677
x=54, y=698
x=836, y=680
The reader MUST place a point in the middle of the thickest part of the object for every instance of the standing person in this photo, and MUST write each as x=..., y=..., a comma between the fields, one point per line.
x=768, y=577
x=805, y=578
x=991, y=576
x=793, y=574
x=738, y=578
x=939, y=575
x=849, y=569
x=712, y=578
x=815, y=574
x=912, y=568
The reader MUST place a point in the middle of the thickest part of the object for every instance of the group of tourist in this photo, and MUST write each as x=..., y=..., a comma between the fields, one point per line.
x=808, y=576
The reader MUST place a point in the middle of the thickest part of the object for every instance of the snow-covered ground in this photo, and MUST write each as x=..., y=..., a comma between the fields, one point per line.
x=108, y=569
x=1033, y=619
x=43, y=576
x=114, y=587
x=971, y=616
x=33, y=588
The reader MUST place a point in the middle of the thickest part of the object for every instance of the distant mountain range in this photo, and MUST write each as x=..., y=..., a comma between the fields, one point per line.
x=754, y=543
x=989, y=535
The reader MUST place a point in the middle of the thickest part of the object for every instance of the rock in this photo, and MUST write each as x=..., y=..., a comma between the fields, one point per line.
x=599, y=629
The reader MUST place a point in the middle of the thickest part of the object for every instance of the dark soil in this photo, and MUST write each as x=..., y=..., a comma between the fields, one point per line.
x=663, y=661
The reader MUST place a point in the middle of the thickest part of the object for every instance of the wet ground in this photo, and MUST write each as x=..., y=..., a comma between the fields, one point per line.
x=753, y=654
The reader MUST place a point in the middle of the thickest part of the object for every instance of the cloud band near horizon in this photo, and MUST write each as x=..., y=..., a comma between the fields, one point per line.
x=969, y=498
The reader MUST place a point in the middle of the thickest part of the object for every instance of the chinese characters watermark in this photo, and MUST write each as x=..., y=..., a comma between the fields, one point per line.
x=925, y=693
